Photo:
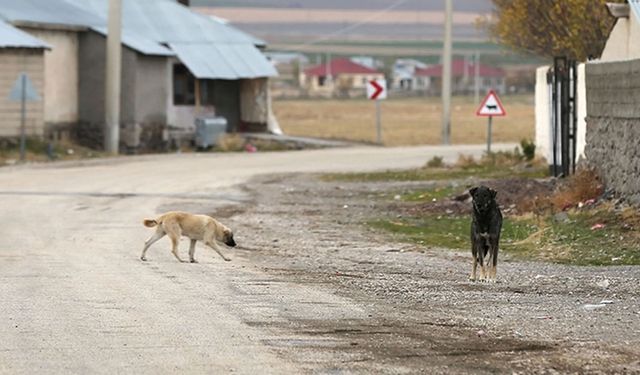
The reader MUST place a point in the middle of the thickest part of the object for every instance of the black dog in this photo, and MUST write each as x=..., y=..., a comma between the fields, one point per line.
x=485, y=232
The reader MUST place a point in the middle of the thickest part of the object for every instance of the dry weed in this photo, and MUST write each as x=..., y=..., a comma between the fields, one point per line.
x=584, y=185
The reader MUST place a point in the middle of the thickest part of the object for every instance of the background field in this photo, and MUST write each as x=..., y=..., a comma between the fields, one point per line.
x=411, y=121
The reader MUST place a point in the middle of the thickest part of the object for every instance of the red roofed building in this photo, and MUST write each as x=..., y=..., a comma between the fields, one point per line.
x=463, y=77
x=340, y=77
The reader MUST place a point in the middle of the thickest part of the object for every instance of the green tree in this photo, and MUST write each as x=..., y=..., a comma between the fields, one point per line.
x=577, y=29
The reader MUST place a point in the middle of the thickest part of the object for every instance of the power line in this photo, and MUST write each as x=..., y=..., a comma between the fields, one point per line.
x=354, y=26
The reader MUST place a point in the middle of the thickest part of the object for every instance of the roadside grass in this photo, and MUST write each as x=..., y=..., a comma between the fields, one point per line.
x=238, y=143
x=572, y=241
x=428, y=174
x=426, y=195
x=450, y=232
x=37, y=150
x=559, y=228
x=405, y=121
x=496, y=165
x=568, y=226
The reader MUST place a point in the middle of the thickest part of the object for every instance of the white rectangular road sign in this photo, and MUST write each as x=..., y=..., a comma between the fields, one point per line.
x=377, y=89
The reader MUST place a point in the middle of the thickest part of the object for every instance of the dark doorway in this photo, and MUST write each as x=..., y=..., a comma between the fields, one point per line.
x=226, y=101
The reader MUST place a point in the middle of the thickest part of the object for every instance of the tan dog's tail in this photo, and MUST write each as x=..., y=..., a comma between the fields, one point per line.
x=150, y=223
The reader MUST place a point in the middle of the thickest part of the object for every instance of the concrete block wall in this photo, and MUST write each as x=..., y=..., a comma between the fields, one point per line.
x=613, y=125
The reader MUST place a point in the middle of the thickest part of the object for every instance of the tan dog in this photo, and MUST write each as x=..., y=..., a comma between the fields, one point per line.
x=197, y=227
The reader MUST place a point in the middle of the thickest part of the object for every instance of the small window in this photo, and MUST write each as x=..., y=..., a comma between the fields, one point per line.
x=322, y=80
x=183, y=86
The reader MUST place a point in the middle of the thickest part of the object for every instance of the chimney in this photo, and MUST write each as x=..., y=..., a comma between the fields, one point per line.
x=184, y=2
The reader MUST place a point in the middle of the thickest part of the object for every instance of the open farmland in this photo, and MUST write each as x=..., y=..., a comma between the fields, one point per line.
x=404, y=121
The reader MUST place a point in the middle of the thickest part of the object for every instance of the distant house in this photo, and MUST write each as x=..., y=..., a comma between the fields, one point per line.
x=58, y=24
x=463, y=75
x=340, y=77
x=404, y=75
x=20, y=53
x=176, y=65
x=288, y=65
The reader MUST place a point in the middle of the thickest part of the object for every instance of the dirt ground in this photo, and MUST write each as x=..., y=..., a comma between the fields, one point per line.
x=421, y=314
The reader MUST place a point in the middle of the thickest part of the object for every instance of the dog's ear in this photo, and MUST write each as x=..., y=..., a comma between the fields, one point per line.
x=473, y=191
x=493, y=193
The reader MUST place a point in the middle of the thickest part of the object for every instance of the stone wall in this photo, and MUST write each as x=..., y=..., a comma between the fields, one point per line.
x=613, y=125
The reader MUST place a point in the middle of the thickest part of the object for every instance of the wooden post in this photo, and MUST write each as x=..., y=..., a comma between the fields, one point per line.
x=197, y=94
x=23, y=116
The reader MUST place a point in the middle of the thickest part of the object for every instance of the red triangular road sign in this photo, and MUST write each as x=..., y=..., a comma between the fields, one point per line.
x=491, y=106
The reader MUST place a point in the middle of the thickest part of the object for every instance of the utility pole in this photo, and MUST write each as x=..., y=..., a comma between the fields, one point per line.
x=477, y=78
x=113, y=78
x=446, y=73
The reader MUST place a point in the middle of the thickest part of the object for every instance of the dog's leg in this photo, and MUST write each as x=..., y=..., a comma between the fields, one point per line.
x=483, y=273
x=472, y=277
x=192, y=251
x=155, y=237
x=217, y=249
x=494, y=263
x=174, y=246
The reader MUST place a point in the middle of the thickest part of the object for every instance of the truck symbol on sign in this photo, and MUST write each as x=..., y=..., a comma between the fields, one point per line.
x=492, y=106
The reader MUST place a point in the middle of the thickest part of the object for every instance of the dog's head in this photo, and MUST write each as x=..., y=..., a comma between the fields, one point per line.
x=227, y=237
x=484, y=198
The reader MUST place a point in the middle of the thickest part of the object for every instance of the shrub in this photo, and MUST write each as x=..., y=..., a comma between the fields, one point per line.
x=436, y=162
x=528, y=149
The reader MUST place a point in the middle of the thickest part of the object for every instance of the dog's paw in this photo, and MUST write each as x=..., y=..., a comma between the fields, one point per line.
x=193, y=261
x=144, y=259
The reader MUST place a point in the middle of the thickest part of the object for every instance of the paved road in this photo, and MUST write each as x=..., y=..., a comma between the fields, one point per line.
x=75, y=297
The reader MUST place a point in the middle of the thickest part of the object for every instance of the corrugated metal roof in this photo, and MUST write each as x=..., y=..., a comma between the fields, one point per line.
x=210, y=49
x=10, y=37
x=223, y=61
x=166, y=21
x=137, y=43
x=55, y=12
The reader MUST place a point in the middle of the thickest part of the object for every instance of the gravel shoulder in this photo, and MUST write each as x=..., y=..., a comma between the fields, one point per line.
x=412, y=309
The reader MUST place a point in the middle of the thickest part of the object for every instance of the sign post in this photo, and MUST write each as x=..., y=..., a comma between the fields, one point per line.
x=377, y=90
x=23, y=91
x=490, y=106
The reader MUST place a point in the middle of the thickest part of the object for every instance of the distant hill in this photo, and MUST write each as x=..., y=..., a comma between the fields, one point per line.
x=475, y=6
x=295, y=21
